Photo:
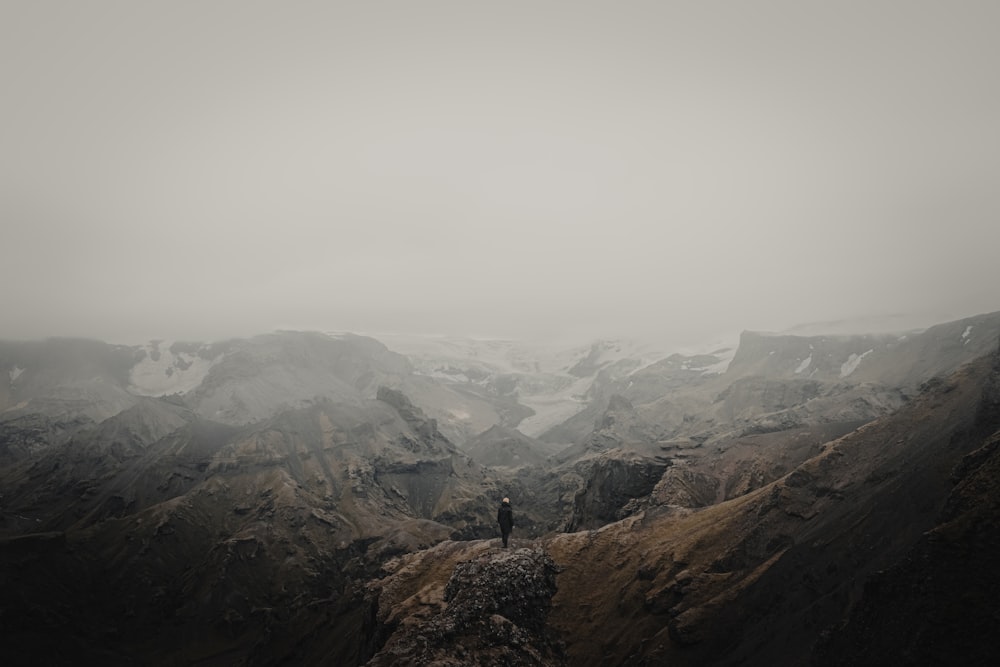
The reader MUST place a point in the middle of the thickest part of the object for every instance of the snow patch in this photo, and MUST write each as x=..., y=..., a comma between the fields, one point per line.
x=718, y=367
x=965, y=335
x=447, y=375
x=852, y=362
x=15, y=373
x=555, y=408
x=805, y=364
x=168, y=373
x=541, y=368
x=725, y=357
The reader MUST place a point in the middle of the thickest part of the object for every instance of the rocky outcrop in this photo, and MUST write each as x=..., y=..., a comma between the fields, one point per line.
x=492, y=610
x=753, y=396
x=26, y=436
x=988, y=416
x=615, y=479
x=682, y=486
x=412, y=415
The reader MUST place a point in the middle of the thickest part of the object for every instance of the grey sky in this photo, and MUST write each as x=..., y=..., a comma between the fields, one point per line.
x=207, y=169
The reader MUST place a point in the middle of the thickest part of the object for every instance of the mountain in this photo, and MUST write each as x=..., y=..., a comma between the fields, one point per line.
x=545, y=382
x=308, y=498
x=730, y=432
x=138, y=536
x=766, y=578
x=236, y=382
x=65, y=378
x=260, y=376
x=505, y=447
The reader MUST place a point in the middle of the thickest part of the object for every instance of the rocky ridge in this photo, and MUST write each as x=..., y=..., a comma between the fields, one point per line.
x=492, y=609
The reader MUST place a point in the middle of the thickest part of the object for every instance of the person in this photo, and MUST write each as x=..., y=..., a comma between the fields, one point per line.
x=505, y=517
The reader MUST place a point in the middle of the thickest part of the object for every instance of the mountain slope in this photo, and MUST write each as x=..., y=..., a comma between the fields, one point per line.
x=505, y=447
x=65, y=378
x=757, y=579
x=202, y=541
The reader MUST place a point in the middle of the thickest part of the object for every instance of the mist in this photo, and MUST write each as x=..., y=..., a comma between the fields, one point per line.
x=201, y=170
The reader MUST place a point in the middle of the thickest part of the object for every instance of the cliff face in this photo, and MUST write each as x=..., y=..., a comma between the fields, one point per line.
x=616, y=479
x=895, y=360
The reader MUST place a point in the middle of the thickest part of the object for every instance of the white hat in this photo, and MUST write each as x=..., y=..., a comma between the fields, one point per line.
x=506, y=500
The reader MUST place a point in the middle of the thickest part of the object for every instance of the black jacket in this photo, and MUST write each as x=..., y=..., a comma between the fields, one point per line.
x=505, y=517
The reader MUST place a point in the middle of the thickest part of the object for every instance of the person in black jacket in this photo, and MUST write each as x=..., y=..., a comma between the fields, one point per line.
x=505, y=517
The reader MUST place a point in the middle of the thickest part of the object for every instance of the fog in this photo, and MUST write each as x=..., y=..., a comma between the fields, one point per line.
x=200, y=170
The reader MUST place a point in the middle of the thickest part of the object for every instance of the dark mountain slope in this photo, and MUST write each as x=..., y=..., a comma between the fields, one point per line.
x=228, y=545
x=756, y=580
x=25, y=435
x=104, y=470
x=937, y=605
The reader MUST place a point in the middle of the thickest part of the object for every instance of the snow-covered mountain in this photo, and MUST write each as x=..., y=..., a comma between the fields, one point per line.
x=555, y=382
x=543, y=388
x=168, y=367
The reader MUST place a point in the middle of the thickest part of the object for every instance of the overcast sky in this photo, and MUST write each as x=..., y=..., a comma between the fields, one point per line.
x=200, y=170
